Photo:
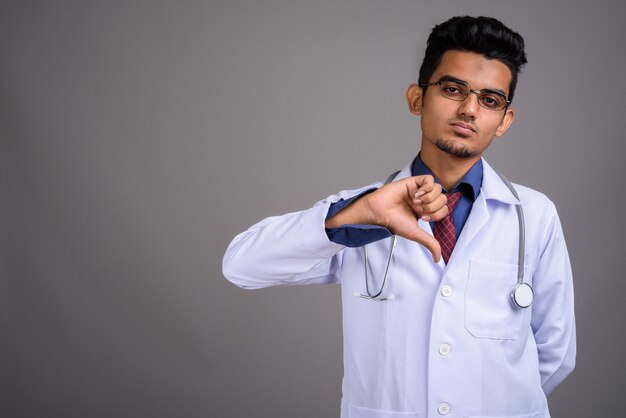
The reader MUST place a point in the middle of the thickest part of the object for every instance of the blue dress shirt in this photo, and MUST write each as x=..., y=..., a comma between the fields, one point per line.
x=358, y=235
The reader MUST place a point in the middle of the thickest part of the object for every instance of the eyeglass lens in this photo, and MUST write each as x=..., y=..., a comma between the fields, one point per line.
x=488, y=99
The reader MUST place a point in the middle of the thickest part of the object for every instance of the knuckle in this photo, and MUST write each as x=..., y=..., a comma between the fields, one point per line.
x=433, y=207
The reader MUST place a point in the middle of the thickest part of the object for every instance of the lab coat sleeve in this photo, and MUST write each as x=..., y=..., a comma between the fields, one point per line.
x=284, y=250
x=552, y=320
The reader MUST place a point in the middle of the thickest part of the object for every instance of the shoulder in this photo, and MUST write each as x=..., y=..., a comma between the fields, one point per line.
x=534, y=199
x=494, y=186
x=349, y=193
x=539, y=211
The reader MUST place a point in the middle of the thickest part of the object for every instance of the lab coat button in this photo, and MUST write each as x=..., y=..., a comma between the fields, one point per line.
x=446, y=291
x=443, y=408
x=444, y=349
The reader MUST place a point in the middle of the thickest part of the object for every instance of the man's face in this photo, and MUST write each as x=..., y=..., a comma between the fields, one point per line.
x=463, y=129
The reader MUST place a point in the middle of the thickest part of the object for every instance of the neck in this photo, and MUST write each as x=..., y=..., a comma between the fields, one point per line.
x=447, y=168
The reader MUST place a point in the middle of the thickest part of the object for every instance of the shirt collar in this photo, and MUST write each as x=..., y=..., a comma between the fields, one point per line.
x=469, y=184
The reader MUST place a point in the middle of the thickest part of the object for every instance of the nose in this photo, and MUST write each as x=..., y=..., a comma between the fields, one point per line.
x=469, y=106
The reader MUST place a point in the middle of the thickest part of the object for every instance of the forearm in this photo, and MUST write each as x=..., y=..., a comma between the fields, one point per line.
x=283, y=250
x=553, y=310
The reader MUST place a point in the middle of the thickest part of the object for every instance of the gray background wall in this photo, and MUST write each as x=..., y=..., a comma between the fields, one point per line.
x=138, y=137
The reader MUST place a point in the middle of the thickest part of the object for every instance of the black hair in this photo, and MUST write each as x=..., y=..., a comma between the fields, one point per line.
x=483, y=35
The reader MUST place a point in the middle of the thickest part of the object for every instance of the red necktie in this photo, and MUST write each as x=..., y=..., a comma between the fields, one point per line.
x=444, y=229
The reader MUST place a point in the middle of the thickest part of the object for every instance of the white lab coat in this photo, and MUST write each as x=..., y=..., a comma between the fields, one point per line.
x=451, y=343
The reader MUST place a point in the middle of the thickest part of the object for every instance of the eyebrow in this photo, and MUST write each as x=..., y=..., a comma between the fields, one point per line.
x=458, y=80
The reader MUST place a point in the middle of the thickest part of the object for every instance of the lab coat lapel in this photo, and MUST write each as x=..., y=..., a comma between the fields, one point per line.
x=478, y=217
x=426, y=227
x=493, y=188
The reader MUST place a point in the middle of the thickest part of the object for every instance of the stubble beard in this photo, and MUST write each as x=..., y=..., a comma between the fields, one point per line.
x=450, y=147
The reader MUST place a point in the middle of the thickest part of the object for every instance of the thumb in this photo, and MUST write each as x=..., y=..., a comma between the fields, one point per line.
x=422, y=237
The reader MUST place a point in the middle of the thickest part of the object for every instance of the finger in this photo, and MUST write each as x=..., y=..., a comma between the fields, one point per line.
x=424, y=184
x=422, y=237
x=433, y=194
x=431, y=202
x=438, y=203
x=436, y=215
x=427, y=193
x=413, y=194
x=425, y=180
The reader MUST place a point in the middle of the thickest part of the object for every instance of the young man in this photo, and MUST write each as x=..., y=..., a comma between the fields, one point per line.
x=452, y=306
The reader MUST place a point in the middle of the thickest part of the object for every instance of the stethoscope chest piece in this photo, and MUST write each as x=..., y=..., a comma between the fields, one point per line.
x=522, y=295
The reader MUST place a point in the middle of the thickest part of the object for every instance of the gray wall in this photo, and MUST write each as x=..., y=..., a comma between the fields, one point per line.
x=138, y=137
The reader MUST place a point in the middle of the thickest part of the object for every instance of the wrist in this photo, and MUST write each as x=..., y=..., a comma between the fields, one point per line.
x=355, y=213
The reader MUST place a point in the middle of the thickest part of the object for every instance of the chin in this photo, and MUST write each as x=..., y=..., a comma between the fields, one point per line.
x=453, y=148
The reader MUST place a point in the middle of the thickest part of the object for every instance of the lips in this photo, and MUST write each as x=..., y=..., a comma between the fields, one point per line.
x=463, y=128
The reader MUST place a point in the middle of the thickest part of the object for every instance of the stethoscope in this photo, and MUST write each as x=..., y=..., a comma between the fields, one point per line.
x=521, y=295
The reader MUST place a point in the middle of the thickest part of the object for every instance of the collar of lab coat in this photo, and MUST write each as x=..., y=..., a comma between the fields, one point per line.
x=493, y=188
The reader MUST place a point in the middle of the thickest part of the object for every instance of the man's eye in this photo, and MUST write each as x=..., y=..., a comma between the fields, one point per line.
x=491, y=101
x=452, y=90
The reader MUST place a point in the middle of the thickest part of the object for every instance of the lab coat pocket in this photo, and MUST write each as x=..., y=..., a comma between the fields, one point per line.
x=361, y=412
x=489, y=310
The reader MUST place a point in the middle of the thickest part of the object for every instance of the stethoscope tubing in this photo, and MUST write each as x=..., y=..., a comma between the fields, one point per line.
x=521, y=295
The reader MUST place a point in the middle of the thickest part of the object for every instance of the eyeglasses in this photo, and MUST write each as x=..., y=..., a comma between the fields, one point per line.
x=458, y=91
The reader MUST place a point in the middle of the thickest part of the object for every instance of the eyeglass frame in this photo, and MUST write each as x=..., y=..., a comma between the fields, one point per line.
x=469, y=91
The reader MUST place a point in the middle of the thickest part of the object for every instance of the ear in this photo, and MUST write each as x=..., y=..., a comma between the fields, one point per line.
x=507, y=120
x=414, y=99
